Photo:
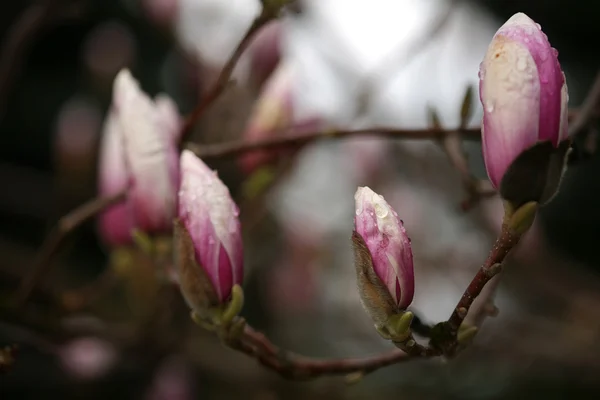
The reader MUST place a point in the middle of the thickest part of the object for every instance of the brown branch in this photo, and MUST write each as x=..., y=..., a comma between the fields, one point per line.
x=505, y=242
x=55, y=239
x=223, y=79
x=290, y=140
x=296, y=367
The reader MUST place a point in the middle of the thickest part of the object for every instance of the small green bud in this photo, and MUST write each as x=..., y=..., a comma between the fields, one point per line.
x=522, y=218
x=466, y=333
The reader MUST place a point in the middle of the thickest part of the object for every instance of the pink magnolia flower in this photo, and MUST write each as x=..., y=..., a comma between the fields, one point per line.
x=386, y=239
x=139, y=152
x=116, y=223
x=210, y=217
x=523, y=92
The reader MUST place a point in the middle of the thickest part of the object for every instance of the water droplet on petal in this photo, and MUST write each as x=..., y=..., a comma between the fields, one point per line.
x=381, y=210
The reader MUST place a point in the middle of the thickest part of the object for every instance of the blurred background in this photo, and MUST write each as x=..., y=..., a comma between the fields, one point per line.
x=58, y=59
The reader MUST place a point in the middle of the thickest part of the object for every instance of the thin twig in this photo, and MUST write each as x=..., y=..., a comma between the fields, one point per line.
x=221, y=83
x=55, y=239
x=290, y=140
x=297, y=367
x=490, y=268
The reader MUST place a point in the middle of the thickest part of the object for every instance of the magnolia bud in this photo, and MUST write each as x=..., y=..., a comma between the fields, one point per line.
x=383, y=257
x=139, y=152
x=209, y=253
x=116, y=223
x=524, y=97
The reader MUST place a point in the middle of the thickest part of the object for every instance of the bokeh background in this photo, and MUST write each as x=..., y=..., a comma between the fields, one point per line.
x=55, y=90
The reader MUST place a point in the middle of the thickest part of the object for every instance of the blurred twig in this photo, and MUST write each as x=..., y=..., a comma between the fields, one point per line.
x=222, y=81
x=587, y=109
x=296, y=367
x=54, y=240
x=290, y=140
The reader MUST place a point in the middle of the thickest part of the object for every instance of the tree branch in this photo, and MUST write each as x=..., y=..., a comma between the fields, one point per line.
x=223, y=79
x=290, y=140
x=296, y=367
x=55, y=239
x=490, y=268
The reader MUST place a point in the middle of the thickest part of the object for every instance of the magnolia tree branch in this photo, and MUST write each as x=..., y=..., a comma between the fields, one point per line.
x=490, y=268
x=288, y=140
x=56, y=238
x=222, y=81
x=445, y=339
x=293, y=366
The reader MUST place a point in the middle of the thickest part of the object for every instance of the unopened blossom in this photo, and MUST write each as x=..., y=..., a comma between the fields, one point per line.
x=139, y=154
x=524, y=95
x=388, y=245
x=209, y=217
x=116, y=223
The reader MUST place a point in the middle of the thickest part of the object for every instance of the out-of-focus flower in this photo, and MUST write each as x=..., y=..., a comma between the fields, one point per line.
x=115, y=223
x=77, y=128
x=524, y=95
x=110, y=47
x=272, y=114
x=172, y=381
x=265, y=52
x=139, y=152
x=383, y=256
x=209, y=223
x=88, y=358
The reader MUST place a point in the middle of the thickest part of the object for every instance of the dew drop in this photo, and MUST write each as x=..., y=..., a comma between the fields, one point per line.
x=381, y=210
x=538, y=26
x=489, y=107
